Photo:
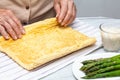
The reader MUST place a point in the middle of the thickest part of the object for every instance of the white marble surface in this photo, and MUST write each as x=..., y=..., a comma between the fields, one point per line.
x=66, y=72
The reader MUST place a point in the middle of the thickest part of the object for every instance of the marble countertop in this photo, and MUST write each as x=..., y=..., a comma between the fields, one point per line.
x=66, y=72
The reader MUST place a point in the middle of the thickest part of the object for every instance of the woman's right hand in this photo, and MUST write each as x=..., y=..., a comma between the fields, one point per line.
x=10, y=26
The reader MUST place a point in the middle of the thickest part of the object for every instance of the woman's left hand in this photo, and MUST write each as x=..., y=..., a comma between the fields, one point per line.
x=65, y=11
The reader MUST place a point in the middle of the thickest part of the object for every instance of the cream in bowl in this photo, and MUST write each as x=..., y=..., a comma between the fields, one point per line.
x=110, y=33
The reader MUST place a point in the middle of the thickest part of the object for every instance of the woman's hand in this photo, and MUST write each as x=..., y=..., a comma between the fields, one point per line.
x=65, y=10
x=10, y=26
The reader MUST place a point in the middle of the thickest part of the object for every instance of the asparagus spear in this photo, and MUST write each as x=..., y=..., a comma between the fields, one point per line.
x=99, y=62
x=88, y=66
x=104, y=65
x=90, y=61
x=103, y=75
x=103, y=70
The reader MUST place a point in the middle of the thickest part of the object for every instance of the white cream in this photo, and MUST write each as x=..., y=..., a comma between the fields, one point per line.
x=111, y=29
x=111, y=37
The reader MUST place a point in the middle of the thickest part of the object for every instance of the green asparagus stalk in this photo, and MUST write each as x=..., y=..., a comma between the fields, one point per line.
x=103, y=70
x=104, y=65
x=103, y=75
x=88, y=66
x=90, y=61
x=105, y=60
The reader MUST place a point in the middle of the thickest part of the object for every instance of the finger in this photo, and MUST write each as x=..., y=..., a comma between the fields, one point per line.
x=57, y=9
x=73, y=16
x=14, y=26
x=63, y=11
x=69, y=13
x=10, y=30
x=17, y=22
x=4, y=33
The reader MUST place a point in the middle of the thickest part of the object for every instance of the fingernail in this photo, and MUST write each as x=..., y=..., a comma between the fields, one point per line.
x=23, y=31
x=15, y=37
x=7, y=37
x=60, y=21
